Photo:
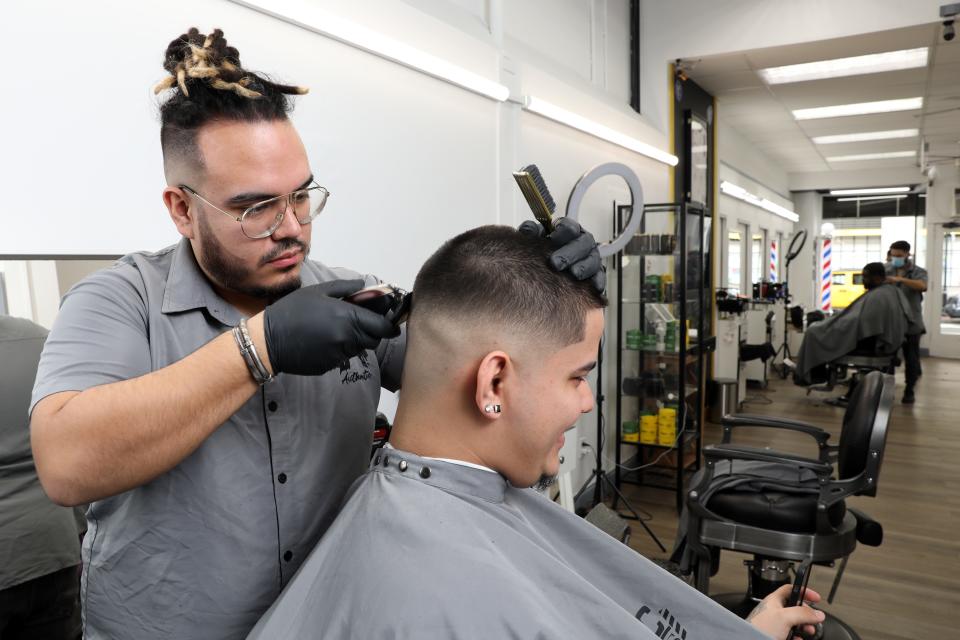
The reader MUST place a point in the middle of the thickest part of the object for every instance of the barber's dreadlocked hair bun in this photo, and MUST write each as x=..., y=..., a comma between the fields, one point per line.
x=208, y=83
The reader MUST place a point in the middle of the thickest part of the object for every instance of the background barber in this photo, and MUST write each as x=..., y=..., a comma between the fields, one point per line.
x=215, y=399
x=39, y=541
x=912, y=280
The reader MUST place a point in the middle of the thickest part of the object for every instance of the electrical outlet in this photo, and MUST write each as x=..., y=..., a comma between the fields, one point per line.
x=585, y=447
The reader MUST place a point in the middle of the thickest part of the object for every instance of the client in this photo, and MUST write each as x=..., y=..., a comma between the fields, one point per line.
x=441, y=538
x=875, y=324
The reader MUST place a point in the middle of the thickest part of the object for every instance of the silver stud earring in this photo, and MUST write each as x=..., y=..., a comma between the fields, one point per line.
x=492, y=408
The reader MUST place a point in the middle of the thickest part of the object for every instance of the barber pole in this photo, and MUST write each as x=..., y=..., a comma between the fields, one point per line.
x=826, y=276
x=773, y=261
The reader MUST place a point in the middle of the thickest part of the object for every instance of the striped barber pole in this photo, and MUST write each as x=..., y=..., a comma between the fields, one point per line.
x=826, y=276
x=773, y=261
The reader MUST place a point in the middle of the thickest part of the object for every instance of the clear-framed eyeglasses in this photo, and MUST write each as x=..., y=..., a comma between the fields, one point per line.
x=263, y=218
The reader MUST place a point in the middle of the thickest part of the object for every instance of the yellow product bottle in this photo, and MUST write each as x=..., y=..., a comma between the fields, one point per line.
x=667, y=426
x=629, y=431
x=648, y=429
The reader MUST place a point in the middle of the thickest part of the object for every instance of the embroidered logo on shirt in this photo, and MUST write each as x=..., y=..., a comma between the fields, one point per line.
x=668, y=627
x=351, y=376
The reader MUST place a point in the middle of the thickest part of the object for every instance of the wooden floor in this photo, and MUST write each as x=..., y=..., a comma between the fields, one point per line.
x=909, y=587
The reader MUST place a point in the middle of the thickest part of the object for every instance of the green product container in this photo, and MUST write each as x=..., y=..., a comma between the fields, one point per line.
x=670, y=339
x=650, y=342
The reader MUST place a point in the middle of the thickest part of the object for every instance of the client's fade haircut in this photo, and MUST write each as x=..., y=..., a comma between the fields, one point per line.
x=873, y=274
x=207, y=83
x=494, y=274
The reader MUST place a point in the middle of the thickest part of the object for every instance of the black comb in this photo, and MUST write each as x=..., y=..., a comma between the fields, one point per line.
x=534, y=189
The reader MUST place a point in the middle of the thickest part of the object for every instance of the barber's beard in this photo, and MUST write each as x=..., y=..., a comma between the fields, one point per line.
x=232, y=275
x=545, y=482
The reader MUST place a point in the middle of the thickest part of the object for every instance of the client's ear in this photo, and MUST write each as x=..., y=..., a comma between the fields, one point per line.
x=490, y=374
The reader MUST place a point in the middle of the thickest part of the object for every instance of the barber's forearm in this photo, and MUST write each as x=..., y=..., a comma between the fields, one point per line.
x=916, y=285
x=114, y=437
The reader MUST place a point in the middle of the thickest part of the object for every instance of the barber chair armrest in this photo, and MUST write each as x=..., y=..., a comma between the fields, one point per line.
x=715, y=452
x=746, y=420
x=869, y=531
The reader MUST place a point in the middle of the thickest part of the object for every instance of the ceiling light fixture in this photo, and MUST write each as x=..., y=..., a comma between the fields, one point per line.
x=859, y=108
x=326, y=24
x=892, y=197
x=867, y=136
x=840, y=67
x=868, y=191
x=740, y=193
x=576, y=121
x=887, y=155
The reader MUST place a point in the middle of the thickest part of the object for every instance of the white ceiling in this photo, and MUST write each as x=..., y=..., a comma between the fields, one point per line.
x=762, y=113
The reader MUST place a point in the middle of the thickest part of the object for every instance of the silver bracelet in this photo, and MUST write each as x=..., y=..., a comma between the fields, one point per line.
x=249, y=352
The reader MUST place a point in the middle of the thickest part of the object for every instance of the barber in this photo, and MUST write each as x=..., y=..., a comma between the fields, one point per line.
x=910, y=278
x=214, y=400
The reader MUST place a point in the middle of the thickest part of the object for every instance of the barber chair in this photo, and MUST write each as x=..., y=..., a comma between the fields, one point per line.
x=849, y=368
x=789, y=511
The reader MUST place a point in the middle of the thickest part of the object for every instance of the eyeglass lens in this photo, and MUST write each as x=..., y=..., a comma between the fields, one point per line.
x=263, y=218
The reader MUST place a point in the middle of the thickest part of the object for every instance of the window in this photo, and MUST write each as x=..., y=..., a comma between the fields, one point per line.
x=733, y=261
x=854, y=251
x=950, y=315
x=756, y=257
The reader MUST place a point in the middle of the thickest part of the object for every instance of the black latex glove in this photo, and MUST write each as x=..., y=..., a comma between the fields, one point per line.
x=576, y=250
x=310, y=331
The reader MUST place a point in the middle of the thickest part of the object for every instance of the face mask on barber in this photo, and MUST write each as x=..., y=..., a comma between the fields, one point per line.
x=898, y=262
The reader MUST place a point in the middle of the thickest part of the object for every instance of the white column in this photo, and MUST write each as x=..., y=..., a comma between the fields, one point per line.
x=941, y=206
x=804, y=275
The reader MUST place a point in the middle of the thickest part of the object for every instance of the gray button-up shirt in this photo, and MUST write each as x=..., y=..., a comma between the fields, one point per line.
x=37, y=537
x=202, y=550
x=914, y=297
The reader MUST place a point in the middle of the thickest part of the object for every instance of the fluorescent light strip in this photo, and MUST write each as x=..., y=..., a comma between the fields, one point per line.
x=864, y=137
x=575, y=120
x=840, y=67
x=859, y=108
x=887, y=155
x=740, y=193
x=319, y=21
x=892, y=197
x=868, y=191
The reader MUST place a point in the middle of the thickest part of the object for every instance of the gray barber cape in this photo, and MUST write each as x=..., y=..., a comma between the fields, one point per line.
x=425, y=548
x=882, y=312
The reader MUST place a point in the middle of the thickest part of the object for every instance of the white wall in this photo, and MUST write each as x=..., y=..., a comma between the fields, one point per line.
x=743, y=165
x=672, y=29
x=409, y=160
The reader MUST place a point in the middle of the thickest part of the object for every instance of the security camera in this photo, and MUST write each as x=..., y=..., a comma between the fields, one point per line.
x=947, y=13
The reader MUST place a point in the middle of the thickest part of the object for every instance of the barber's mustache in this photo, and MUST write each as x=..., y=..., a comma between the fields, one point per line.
x=283, y=247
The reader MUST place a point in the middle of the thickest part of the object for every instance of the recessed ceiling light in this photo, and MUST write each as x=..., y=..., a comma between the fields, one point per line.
x=869, y=135
x=899, y=197
x=840, y=67
x=872, y=156
x=854, y=192
x=859, y=108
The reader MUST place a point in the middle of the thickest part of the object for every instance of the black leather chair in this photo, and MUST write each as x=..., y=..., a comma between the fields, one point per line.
x=787, y=509
x=849, y=368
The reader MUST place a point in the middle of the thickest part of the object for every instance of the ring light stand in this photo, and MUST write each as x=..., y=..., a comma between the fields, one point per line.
x=606, y=249
x=796, y=246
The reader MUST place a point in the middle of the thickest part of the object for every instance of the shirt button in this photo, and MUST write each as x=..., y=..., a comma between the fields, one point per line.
x=288, y=556
x=282, y=478
x=272, y=405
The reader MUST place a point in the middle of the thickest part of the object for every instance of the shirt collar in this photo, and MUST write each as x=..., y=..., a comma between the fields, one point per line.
x=189, y=288
x=449, y=476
